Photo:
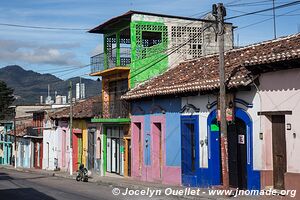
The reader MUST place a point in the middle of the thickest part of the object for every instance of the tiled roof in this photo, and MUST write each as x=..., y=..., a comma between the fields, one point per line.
x=83, y=109
x=21, y=128
x=202, y=74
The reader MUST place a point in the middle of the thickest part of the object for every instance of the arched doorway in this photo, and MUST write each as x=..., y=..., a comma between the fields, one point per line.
x=237, y=153
x=240, y=152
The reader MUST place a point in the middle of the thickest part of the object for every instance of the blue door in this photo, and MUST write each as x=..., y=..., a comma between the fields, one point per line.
x=214, y=154
x=240, y=155
x=189, y=150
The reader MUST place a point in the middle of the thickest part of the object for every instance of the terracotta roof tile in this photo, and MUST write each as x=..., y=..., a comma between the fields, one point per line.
x=83, y=109
x=203, y=74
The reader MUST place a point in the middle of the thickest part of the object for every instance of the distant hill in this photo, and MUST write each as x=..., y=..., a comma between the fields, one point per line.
x=30, y=85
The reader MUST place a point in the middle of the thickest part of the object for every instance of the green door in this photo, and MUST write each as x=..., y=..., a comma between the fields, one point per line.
x=80, y=148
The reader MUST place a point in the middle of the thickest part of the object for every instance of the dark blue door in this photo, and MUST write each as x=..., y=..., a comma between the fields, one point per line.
x=214, y=157
x=189, y=150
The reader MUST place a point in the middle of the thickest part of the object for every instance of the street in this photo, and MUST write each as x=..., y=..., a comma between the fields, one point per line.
x=15, y=185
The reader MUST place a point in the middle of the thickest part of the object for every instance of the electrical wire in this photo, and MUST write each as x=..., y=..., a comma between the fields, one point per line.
x=255, y=3
x=259, y=22
x=66, y=70
x=264, y=10
x=44, y=27
x=154, y=63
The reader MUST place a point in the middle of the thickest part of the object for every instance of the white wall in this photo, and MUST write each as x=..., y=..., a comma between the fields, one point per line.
x=50, y=140
x=249, y=97
x=201, y=102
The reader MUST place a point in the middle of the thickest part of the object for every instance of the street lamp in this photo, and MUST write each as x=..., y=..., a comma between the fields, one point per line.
x=15, y=135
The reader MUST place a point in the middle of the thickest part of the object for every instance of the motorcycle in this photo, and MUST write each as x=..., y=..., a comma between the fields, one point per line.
x=82, y=174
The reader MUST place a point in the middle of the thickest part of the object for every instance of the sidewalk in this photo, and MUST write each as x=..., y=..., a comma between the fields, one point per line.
x=121, y=183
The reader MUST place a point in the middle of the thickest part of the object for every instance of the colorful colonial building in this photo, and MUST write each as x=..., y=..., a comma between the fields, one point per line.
x=137, y=47
x=84, y=137
x=5, y=142
x=262, y=110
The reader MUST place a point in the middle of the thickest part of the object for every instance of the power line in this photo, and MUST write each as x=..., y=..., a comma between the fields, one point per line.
x=44, y=27
x=255, y=3
x=60, y=28
x=259, y=22
x=65, y=70
x=239, y=11
x=267, y=9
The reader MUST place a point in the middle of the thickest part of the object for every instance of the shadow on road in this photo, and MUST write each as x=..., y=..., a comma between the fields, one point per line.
x=5, y=176
x=23, y=194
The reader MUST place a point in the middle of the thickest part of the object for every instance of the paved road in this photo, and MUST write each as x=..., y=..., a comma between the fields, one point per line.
x=15, y=185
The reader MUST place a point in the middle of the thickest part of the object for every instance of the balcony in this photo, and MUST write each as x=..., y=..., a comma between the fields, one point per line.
x=118, y=109
x=111, y=110
x=34, y=132
x=120, y=57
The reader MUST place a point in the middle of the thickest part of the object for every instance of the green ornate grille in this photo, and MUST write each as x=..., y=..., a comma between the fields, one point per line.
x=149, y=44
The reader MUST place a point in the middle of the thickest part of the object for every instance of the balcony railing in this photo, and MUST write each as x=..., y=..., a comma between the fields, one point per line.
x=111, y=109
x=33, y=131
x=118, y=109
x=98, y=109
x=101, y=62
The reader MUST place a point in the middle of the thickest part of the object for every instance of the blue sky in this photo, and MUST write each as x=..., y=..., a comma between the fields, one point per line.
x=54, y=51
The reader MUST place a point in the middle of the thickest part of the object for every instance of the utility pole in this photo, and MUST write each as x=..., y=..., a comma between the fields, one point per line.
x=71, y=129
x=274, y=20
x=219, y=12
x=15, y=135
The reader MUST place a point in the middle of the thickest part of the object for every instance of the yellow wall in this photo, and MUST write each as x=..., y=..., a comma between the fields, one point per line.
x=82, y=124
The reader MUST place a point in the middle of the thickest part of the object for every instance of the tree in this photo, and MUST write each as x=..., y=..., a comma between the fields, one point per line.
x=6, y=100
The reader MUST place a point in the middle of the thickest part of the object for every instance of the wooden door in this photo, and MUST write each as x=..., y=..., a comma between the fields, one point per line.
x=38, y=154
x=63, y=148
x=41, y=154
x=75, y=152
x=156, y=150
x=80, y=149
x=237, y=154
x=113, y=155
x=91, y=149
x=108, y=155
x=279, y=150
x=129, y=157
x=189, y=151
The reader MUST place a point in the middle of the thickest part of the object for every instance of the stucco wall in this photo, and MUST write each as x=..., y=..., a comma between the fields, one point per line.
x=252, y=97
x=171, y=140
x=201, y=102
x=25, y=146
x=180, y=45
x=50, y=148
x=280, y=91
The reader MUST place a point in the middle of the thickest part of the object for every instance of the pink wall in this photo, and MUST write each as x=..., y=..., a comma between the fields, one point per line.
x=280, y=91
x=135, y=157
x=168, y=174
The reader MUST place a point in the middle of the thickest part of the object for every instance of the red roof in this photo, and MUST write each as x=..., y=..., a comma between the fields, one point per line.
x=83, y=109
x=202, y=74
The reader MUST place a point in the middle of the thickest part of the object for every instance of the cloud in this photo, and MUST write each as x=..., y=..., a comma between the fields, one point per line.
x=34, y=53
x=97, y=50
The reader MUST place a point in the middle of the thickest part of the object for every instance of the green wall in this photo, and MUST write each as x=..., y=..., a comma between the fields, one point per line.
x=144, y=60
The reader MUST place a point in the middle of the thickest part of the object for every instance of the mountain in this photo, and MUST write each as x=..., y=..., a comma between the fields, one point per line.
x=30, y=85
